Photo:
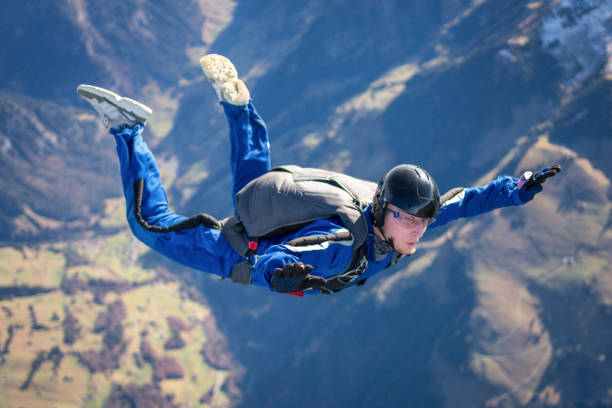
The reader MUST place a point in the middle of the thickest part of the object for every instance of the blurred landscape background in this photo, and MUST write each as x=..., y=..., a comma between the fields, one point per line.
x=510, y=309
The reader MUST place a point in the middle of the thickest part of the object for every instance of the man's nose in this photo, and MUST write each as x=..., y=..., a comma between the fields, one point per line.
x=419, y=228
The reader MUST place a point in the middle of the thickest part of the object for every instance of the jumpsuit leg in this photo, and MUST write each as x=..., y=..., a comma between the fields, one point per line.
x=198, y=247
x=250, y=147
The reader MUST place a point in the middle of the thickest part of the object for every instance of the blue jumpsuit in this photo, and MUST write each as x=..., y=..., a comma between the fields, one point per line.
x=206, y=249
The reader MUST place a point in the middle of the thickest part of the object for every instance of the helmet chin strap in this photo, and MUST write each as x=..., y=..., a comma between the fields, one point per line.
x=388, y=241
x=380, y=229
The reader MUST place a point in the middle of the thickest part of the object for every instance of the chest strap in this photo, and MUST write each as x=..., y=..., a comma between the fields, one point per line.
x=358, y=265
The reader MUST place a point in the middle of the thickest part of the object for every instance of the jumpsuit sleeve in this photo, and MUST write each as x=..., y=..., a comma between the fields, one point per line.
x=328, y=259
x=501, y=192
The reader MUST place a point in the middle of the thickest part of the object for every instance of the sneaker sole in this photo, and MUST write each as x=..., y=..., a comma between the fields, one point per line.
x=218, y=69
x=136, y=109
x=235, y=92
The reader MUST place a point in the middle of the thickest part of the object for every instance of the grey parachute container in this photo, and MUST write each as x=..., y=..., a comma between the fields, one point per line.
x=289, y=197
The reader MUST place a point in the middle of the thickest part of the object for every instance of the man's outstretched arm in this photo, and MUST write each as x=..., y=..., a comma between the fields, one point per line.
x=504, y=191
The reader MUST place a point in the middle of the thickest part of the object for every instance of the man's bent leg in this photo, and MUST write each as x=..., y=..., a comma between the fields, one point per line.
x=250, y=147
x=192, y=242
x=137, y=163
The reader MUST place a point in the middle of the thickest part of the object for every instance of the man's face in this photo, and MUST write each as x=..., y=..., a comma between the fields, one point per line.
x=403, y=230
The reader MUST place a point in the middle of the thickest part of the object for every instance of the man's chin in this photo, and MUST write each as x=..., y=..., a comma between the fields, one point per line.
x=409, y=250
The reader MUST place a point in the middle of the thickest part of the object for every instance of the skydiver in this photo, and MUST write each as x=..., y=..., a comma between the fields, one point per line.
x=405, y=204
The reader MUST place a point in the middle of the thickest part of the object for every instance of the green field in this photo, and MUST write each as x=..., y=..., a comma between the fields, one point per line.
x=114, y=260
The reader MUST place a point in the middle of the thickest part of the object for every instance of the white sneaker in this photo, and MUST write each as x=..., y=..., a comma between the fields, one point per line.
x=223, y=76
x=112, y=108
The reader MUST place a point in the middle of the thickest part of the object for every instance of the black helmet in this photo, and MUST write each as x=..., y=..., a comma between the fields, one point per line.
x=407, y=187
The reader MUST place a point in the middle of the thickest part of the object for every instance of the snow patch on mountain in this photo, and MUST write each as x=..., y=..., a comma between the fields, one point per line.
x=577, y=34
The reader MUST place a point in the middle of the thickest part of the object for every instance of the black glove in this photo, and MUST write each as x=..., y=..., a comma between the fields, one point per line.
x=534, y=185
x=295, y=277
